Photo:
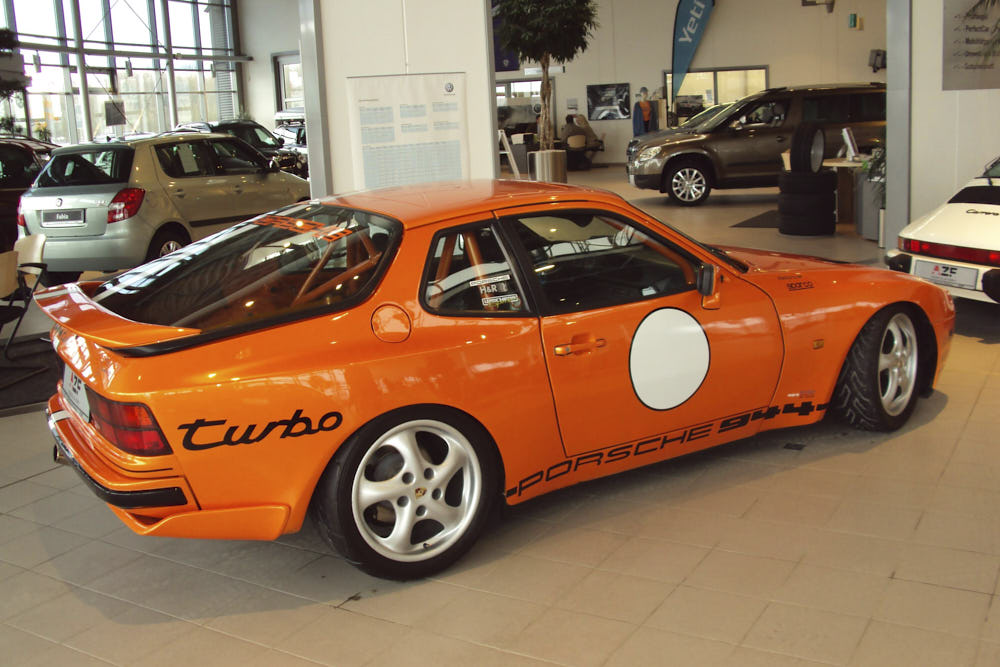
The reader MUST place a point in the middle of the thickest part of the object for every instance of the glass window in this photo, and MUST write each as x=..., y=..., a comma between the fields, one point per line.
x=15, y=167
x=767, y=114
x=469, y=274
x=87, y=167
x=182, y=160
x=826, y=109
x=291, y=89
x=233, y=157
x=868, y=106
x=585, y=260
x=303, y=259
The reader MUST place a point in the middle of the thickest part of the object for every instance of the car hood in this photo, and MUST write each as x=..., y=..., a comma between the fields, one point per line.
x=960, y=224
x=668, y=138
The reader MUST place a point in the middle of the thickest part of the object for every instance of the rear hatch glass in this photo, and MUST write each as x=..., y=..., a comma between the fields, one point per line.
x=70, y=197
x=300, y=260
x=977, y=194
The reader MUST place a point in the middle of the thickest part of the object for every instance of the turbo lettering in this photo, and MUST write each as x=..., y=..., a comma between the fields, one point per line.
x=205, y=433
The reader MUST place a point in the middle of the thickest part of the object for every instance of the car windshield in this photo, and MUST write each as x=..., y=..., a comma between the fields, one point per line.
x=88, y=165
x=993, y=170
x=300, y=260
x=705, y=116
x=255, y=136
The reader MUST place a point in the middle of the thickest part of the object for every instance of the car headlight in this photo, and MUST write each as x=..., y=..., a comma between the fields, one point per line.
x=648, y=153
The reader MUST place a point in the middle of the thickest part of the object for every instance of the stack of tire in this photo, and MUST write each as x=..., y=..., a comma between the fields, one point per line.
x=807, y=195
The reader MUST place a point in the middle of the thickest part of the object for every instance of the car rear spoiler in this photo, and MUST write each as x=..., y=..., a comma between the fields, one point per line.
x=71, y=307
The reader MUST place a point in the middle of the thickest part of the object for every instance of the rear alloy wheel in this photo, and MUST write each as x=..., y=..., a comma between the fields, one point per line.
x=876, y=390
x=687, y=184
x=409, y=493
x=165, y=242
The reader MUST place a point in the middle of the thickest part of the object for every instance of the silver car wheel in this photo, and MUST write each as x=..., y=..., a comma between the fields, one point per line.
x=897, y=364
x=416, y=490
x=688, y=184
x=169, y=247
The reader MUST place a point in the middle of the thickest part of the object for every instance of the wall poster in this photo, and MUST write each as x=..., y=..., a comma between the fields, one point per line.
x=971, y=58
x=408, y=128
x=608, y=101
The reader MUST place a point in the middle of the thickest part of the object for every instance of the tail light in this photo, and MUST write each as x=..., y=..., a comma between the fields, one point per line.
x=125, y=204
x=21, y=222
x=128, y=426
x=957, y=253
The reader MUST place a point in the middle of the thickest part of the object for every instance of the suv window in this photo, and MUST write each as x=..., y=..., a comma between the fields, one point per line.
x=767, y=114
x=87, y=166
x=15, y=166
x=182, y=160
x=255, y=136
x=469, y=274
x=584, y=260
x=868, y=107
x=826, y=109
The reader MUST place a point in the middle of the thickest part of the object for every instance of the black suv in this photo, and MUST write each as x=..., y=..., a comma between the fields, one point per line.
x=740, y=145
x=259, y=137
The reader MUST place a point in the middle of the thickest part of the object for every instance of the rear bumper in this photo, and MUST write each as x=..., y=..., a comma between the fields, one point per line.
x=987, y=279
x=122, y=248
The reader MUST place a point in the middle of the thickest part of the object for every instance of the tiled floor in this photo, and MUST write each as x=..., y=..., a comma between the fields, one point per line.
x=848, y=549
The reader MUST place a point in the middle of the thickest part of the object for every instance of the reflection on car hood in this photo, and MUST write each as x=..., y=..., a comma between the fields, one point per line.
x=667, y=137
x=768, y=261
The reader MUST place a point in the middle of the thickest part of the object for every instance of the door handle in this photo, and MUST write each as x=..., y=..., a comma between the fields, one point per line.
x=579, y=345
x=780, y=138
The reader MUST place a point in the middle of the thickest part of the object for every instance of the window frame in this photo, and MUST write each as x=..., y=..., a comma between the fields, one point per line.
x=538, y=295
x=510, y=256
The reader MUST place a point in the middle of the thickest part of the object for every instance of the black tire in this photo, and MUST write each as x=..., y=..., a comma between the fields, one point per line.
x=447, y=514
x=805, y=182
x=880, y=400
x=817, y=224
x=808, y=147
x=687, y=182
x=811, y=204
x=164, y=242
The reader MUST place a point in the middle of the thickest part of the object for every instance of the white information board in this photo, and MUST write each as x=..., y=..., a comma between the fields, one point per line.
x=970, y=60
x=408, y=128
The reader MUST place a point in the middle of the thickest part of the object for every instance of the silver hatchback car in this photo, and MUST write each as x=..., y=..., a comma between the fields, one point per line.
x=116, y=205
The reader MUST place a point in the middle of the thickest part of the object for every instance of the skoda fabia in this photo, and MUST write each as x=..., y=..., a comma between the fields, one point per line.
x=403, y=360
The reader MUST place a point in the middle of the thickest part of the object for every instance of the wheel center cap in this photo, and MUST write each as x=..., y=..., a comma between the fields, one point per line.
x=420, y=492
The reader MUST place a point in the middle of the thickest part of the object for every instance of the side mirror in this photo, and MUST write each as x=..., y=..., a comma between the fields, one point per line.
x=707, y=283
x=272, y=167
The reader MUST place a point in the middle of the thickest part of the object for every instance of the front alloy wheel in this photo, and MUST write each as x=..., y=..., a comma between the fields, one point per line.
x=688, y=185
x=877, y=387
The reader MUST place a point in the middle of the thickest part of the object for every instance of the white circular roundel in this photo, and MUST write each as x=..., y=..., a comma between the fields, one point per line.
x=669, y=358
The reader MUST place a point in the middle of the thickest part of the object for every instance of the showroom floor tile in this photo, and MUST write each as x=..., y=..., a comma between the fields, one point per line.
x=847, y=548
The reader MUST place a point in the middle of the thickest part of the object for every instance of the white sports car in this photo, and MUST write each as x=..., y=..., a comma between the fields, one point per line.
x=957, y=245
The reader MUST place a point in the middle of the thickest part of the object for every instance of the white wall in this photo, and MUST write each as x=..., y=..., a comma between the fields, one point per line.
x=266, y=27
x=954, y=132
x=800, y=45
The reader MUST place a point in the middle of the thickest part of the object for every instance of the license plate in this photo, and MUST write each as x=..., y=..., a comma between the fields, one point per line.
x=71, y=217
x=76, y=393
x=946, y=274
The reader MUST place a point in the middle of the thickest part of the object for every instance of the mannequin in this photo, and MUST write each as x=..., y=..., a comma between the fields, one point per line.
x=643, y=113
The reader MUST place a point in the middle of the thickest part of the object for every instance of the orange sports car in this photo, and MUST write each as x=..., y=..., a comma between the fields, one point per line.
x=402, y=360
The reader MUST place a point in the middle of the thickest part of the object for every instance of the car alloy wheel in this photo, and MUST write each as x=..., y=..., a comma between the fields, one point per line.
x=688, y=185
x=416, y=490
x=897, y=364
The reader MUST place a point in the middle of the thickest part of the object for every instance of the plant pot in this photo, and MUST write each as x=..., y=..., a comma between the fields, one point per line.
x=548, y=166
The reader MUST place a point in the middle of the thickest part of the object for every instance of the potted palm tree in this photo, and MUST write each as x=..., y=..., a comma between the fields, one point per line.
x=546, y=32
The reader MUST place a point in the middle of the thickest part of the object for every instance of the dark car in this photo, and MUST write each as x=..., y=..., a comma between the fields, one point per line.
x=259, y=137
x=741, y=146
x=21, y=159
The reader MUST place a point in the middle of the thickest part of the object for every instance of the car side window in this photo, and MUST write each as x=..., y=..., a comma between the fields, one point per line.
x=232, y=157
x=468, y=274
x=869, y=107
x=585, y=260
x=767, y=114
x=181, y=160
x=14, y=167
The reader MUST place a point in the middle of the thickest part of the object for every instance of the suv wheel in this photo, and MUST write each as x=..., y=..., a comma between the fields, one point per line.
x=687, y=183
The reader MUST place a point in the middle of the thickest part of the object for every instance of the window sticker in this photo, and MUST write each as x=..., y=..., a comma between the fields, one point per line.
x=291, y=224
x=487, y=281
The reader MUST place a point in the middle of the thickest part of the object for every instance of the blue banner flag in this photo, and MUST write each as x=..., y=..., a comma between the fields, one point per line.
x=689, y=26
